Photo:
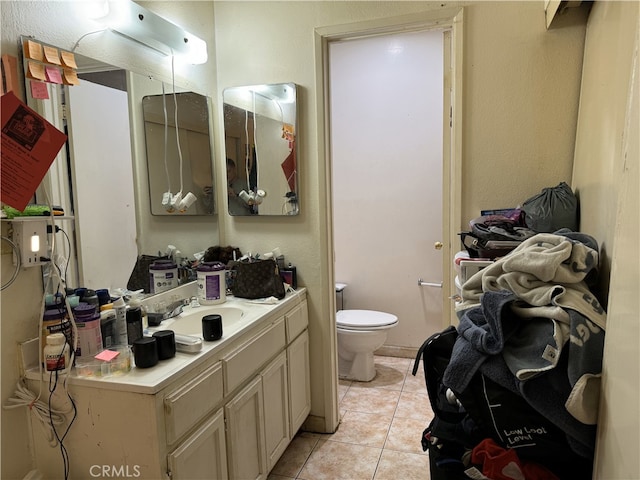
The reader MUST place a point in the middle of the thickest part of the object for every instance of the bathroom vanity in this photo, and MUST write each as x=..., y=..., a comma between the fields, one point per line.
x=228, y=411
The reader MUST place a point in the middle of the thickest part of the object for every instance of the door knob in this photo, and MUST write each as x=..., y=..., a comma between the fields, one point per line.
x=437, y=245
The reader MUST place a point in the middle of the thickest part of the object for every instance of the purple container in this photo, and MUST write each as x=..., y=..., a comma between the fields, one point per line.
x=163, y=275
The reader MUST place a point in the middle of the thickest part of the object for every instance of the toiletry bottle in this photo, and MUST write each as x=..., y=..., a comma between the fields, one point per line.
x=57, y=353
x=87, y=320
x=108, y=326
x=134, y=324
x=56, y=320
x=121, y=321
x=289, y=275
x=135, y=302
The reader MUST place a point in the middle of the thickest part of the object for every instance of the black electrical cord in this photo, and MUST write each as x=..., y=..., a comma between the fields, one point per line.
x=63, y=450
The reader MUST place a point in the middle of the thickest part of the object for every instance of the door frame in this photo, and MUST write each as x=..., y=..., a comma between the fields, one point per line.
x=451, y=21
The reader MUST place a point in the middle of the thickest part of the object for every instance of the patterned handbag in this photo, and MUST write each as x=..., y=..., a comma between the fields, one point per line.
x=257, y=279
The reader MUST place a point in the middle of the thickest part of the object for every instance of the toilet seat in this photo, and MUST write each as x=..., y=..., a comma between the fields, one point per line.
x=364, y=320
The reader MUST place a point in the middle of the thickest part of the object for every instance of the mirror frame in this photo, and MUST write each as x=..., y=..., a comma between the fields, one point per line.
x=183, y=163
x=261, y=149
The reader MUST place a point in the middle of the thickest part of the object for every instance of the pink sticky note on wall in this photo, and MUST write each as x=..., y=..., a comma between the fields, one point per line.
x=39, y=90
x=53, y=75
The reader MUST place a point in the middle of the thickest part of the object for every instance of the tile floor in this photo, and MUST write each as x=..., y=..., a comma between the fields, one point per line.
x=379, y=434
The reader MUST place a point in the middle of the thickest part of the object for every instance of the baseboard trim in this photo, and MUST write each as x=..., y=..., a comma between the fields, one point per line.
x=393, y=351
x=315, y=424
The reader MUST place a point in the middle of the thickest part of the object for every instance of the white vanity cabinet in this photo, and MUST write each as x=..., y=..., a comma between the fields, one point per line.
x=226, y=413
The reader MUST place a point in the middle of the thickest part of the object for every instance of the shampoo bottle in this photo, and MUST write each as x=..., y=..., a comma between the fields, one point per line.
x=121, y=321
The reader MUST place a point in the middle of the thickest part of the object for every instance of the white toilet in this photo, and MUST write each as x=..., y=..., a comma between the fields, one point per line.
x=360, y=333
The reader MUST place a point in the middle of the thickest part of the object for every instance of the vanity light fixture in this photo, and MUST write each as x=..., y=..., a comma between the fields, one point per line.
x=141, y=25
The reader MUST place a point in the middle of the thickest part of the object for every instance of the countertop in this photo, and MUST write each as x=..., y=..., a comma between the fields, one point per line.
x=151, y=380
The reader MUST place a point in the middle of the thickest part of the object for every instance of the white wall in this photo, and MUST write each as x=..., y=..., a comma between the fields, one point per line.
x=607, y=183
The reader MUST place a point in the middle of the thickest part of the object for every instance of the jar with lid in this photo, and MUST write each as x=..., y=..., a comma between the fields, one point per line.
x=57, y=353
x=163, y=276
x=87, y=320
x=56, y=320
x=211, y=281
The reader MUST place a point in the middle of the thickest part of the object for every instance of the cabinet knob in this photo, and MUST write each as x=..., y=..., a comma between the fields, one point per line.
x=438, y=245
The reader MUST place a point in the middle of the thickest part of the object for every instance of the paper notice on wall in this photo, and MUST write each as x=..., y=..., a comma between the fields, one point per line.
x=29, y=146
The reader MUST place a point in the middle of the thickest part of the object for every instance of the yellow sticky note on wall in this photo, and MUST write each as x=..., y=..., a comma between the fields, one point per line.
x=51, y=55
x=32, y=50
x=70, y=77
x=36, y=71
x=68, y=59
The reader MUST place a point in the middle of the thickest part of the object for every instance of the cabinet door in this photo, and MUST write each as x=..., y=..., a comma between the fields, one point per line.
x=245, y=433
x=299, y=382
x=192, y=402
x=276, y=409
x=203, y=454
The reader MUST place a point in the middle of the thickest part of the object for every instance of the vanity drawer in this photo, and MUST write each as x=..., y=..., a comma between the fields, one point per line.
x=190, y=403
x=297, y=319
x=246, y=361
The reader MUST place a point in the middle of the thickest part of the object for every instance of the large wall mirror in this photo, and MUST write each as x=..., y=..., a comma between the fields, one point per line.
x=260, y=128
x=100, y=176
x=179, y=159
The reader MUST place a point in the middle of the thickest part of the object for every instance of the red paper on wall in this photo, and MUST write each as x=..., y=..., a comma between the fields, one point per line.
x=289, y=168
x=29, y=146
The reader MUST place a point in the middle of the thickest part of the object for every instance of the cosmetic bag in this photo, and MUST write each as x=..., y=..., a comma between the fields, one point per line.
x=257, y=279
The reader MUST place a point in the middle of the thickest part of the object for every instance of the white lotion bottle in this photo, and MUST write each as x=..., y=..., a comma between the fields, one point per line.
x=120, y=307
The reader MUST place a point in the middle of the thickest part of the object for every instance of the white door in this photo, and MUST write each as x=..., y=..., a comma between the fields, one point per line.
x=100, y=144
x=386, y=117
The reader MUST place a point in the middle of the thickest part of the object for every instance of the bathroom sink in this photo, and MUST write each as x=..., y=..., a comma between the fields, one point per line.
x=190, y=321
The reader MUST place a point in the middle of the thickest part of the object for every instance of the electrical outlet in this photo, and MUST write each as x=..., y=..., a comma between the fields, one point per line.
x=30, y=236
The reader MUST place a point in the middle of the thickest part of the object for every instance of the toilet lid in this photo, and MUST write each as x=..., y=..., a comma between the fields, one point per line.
x=364, y=319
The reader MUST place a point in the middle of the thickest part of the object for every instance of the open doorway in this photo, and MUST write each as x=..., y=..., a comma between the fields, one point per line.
x=386, y=102
x=450, y=21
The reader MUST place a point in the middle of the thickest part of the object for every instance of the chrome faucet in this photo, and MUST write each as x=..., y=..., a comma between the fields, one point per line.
x=173, y=310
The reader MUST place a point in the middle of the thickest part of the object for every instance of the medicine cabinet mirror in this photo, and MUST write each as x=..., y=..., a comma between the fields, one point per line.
x=183, y=162
x=101, y=183
x=260, y=129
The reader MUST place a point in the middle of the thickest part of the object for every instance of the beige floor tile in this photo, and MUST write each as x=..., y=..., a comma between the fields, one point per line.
x=388, y=377
x=363, y=429
x=415, y=384
x=343, y=387
x=405, y=466
x=405, y=435
x=414, y=405
x=340, y=461
x=295, y=456
x=371, y=400
x=402, y=364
